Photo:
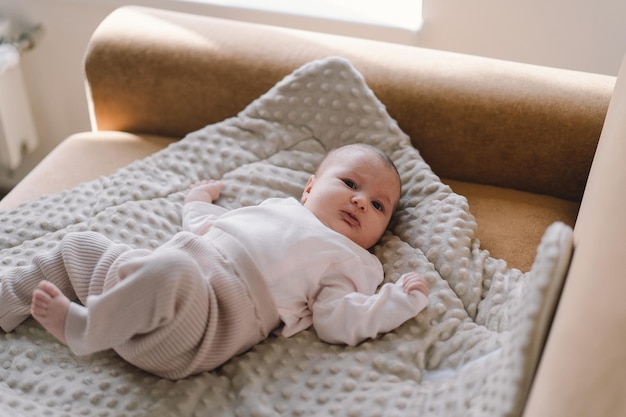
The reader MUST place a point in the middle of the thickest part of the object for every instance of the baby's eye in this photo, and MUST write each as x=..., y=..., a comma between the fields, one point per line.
x=377, y=206
x=350, y=184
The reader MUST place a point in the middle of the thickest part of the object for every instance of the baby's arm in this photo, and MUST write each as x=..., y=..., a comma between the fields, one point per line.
x=206, y=191
x=341, y=315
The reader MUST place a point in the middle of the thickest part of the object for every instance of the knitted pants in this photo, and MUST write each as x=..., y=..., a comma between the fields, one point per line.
x=181, y=309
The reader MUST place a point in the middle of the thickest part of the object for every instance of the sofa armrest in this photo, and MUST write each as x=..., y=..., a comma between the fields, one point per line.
x=473, y=119
x=582, y=371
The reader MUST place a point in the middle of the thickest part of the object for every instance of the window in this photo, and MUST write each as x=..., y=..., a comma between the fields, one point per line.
x=401, y=14
x=386, y=20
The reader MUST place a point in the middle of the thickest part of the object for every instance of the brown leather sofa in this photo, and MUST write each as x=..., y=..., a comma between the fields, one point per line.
x=527, y=145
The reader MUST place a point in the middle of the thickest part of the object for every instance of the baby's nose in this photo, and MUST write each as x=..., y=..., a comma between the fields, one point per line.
x=359, y=201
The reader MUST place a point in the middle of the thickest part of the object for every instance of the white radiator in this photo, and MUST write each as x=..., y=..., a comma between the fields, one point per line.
x=17, y=127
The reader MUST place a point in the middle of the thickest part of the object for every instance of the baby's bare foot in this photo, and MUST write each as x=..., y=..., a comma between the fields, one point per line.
x=49, y=307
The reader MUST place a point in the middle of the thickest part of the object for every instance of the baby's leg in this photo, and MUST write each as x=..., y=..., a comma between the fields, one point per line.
x=156, y=290
x=91, y=261
x=77, y=267
x=50, y=307
x=17, y=286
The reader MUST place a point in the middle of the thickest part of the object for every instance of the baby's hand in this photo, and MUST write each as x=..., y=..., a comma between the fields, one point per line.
x=206, y=191
x=414, y=282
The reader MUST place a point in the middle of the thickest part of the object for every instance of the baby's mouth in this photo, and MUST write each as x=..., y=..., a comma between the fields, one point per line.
x=350, y=218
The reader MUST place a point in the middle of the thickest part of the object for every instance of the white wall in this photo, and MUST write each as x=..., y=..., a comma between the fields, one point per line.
x=576, y=34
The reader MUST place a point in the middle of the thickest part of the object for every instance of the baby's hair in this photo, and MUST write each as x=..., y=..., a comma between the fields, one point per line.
x=382, y=155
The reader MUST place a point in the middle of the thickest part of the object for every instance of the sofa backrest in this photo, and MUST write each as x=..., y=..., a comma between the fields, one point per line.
x=473, y=119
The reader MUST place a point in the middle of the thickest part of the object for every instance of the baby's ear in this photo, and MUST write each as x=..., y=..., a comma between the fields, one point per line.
x=307, y=189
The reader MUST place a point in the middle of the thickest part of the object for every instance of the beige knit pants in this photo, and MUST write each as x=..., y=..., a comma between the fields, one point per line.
x=179, y=310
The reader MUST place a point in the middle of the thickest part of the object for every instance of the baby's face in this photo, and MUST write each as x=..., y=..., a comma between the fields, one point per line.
x=354, y=194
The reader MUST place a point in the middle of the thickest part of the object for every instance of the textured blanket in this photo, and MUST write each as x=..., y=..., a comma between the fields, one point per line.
x=471, y=352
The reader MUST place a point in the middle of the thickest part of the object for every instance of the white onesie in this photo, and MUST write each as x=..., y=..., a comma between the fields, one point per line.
x=314, y=274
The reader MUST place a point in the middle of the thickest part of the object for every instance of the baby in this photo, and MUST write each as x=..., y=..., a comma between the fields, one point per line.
x=231, y=277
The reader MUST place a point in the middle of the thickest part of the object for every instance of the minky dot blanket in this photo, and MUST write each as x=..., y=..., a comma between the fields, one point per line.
x=472, y=352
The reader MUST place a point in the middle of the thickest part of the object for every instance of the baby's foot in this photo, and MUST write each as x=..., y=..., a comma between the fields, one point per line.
x=49, y=307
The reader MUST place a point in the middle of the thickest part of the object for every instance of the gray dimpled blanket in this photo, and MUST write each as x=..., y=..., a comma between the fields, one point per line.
x=472, y=352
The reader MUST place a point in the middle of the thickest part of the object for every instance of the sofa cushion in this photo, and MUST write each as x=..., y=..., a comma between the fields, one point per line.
x=82, y=157
x=510, y=222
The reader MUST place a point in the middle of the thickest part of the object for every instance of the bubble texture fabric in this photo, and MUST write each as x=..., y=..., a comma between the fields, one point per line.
x=472, y=352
